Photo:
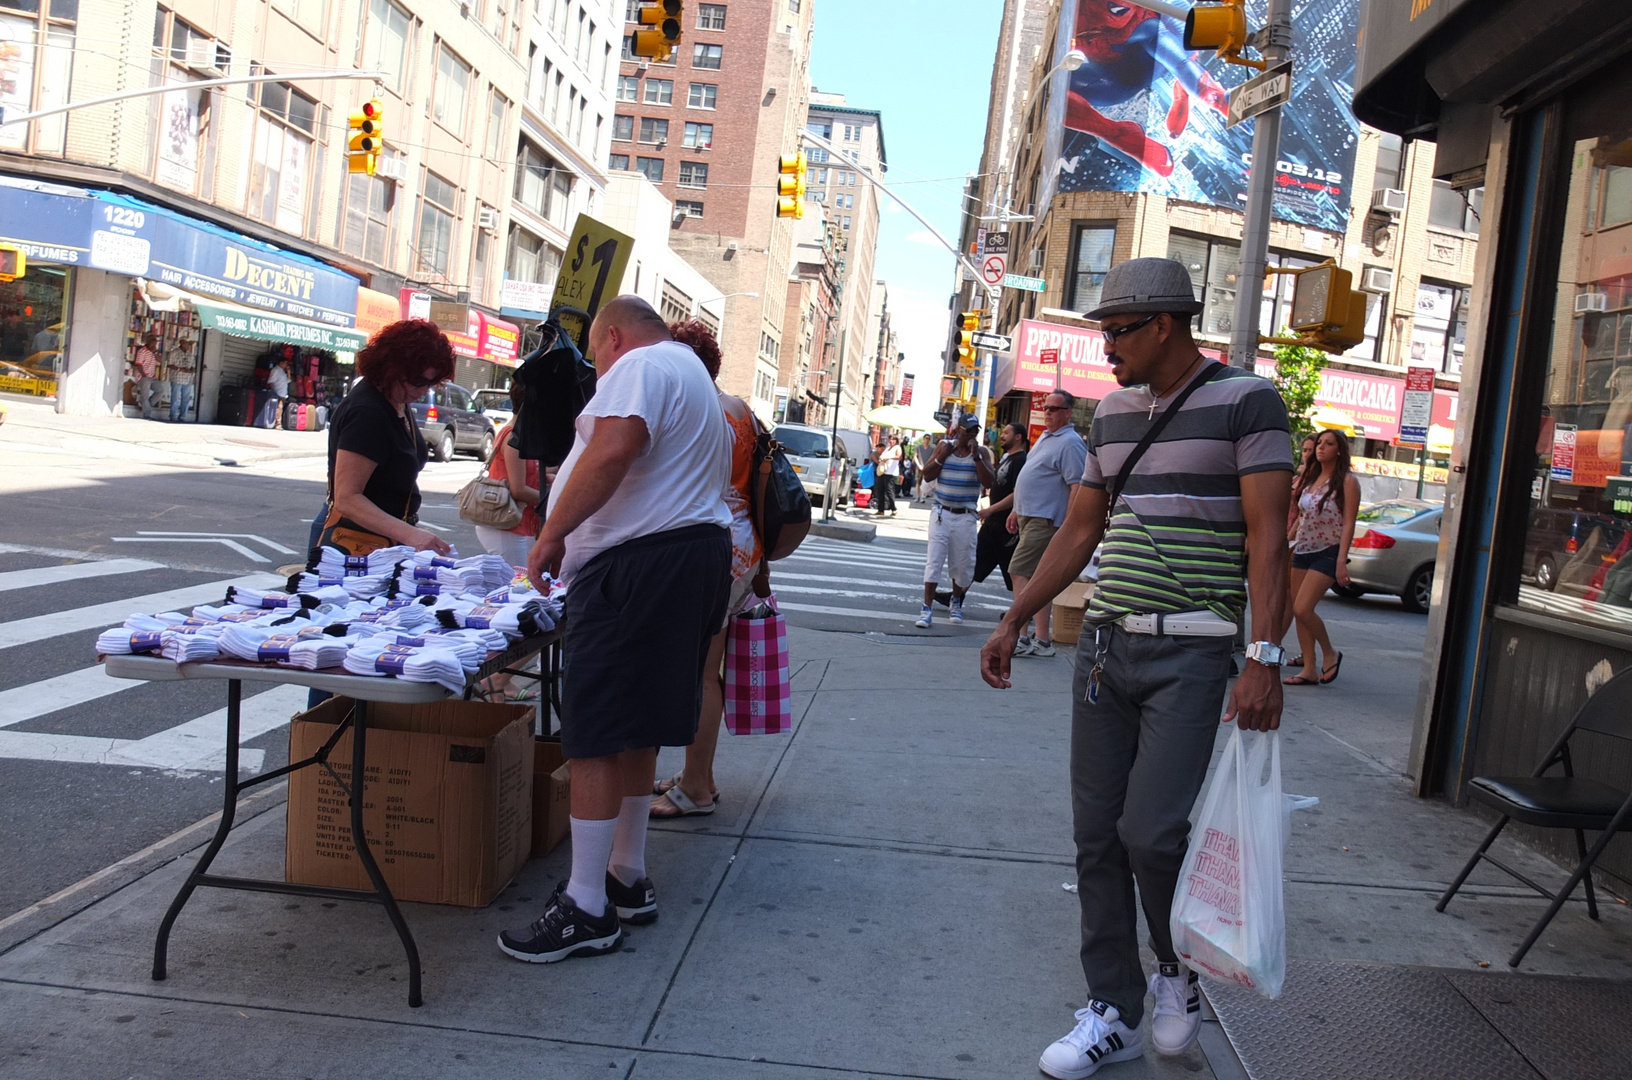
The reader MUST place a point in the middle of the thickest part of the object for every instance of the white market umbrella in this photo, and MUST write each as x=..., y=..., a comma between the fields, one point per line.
x=904, y=418
x=1329, y=419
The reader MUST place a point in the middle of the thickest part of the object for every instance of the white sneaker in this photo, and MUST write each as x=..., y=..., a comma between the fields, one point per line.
x=1022, y=647
x=1099, y=1037
x=1042, y=648
x=957, y=609
x=925, y=617
x=1177, y=1019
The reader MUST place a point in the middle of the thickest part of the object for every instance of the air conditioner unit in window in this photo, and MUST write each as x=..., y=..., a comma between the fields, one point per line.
x=487, y=219
x=392, y=168
x=1389, y=201
x=1037, y=259
x=1377, y=279
x=1591, y=301
x=202, y=56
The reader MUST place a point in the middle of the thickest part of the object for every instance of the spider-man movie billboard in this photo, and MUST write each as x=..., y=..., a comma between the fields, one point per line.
x=1145, y=115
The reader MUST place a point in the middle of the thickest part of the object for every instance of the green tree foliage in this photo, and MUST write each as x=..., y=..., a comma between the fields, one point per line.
x=1297, y=377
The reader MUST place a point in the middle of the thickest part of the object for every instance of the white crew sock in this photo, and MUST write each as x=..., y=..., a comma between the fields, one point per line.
x=629, y=843
x=591, y=848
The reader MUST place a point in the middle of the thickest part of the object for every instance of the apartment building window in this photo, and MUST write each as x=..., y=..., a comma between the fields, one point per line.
x=1440, y=331
x=628, y=88
x=653, y=130
x=618, y=161
x=1090, y=261
x=698, y=136
x=178, y=138
x=702, y=95
x=480, y=254
x=693, y=174
x=1390, y=162
x=705, y=57
x=659, y=91
x=816, y=154
x=452, y=90
x=628, y=48
x=793, y=6
x=689, y=207
x=438, y=209
x=651, y=168
x=542, y=185
x=824, y=128
x=385, y=41
x=313, y=15
x=631, y=10
x=1451, y=209
x=1213, y=269
x=847, y=221
x=623, y=128
x=498, y=110
x=369, y=216
x=285, y=123
x=711, y=16
x=531, y=259
x=852, y=133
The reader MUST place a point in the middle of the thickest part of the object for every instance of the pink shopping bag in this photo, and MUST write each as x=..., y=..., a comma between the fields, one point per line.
x=758, y=693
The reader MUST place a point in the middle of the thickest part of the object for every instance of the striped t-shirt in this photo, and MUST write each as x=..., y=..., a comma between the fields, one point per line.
x=958, y=484
x=1176, y=541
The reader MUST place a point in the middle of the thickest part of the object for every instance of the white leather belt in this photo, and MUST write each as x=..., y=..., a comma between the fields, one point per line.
x=1180, y=624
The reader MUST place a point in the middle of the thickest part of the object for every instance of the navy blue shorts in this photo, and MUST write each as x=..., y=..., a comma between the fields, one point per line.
x=1323, y=561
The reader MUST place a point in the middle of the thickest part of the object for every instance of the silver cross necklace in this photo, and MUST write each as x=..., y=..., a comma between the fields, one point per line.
x=1180, y=381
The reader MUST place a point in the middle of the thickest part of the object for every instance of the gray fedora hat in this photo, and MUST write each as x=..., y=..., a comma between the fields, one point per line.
x=1144, y=285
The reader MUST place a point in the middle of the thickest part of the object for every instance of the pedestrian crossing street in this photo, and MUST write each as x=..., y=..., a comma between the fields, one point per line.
x=841, y=585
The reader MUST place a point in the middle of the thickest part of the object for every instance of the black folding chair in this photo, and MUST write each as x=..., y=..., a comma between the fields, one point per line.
x=1561, y=802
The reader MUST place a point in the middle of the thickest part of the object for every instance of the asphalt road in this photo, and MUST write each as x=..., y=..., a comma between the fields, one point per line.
x=93, y=769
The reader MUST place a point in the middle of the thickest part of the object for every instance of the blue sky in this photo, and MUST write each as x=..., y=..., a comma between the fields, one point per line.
x=927, y=66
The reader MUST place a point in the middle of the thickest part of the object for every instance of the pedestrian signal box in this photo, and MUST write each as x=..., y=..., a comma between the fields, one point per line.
x=1327, y=313
x=13, y=263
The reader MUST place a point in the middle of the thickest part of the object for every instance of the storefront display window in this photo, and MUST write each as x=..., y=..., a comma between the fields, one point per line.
x=1577, y=559
x=33, y=330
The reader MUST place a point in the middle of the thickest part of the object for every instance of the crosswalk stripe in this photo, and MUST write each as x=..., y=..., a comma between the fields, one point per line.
x=100, y=616
x=196, y=746
x=862, y=551
x=22, y=703
x=916, y=566
x=863, y=613
x=915, y=593
x=54, y=575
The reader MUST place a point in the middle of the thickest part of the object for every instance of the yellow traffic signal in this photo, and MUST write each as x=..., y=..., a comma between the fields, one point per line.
x=1327, y=313
x=365, y=137
x=790, y=185
x=661, y=29
x=1222, y=27
x=13, y=263
x=968, y=323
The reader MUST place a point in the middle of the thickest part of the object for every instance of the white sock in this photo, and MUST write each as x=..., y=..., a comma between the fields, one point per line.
x=591, y=847
x=629, y=843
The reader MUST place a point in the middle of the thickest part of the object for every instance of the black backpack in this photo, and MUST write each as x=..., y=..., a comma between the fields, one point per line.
x=780, y=507
x=556, y=382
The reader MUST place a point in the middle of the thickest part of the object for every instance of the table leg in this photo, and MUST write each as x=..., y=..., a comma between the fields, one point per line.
x=229, y=807
x=360, y=840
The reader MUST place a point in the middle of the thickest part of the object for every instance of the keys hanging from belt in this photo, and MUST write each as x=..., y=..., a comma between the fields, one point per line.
x=1102, y=643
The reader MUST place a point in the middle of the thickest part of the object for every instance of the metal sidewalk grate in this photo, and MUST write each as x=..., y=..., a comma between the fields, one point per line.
x=1342, y=1020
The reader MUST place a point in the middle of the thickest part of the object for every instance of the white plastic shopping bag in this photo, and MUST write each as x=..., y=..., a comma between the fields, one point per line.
x=1228, y=920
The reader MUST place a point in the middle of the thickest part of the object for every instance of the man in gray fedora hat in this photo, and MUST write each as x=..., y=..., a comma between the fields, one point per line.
x=1181, y=515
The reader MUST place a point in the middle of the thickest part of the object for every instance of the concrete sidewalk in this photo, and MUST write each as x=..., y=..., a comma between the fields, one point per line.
x=41, y=428
x=878, y=895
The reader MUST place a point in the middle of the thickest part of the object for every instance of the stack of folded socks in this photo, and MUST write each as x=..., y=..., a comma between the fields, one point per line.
x=332, y=562
x=190, y=644
x=258, y=598
x=513, y=620
x=432, y=663
x=470, y=653
x=124, y=641
x=356, y=587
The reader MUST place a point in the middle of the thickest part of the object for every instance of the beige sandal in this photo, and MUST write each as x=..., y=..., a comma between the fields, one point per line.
x=681, y=803
x=662, y=787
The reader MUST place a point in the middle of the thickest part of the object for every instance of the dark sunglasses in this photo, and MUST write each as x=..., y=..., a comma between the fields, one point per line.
x=1110, y=334
x=421, y=384
x=1056, y=408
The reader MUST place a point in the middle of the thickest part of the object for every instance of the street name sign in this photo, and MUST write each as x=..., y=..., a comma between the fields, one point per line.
x=1030, y=284
x=1260, y=94
x=996, y=342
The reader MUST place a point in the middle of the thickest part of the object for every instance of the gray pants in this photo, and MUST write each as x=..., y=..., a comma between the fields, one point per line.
x=1138, y=760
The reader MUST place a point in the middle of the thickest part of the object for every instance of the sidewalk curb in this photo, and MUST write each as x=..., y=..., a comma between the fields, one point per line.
x=844, y=530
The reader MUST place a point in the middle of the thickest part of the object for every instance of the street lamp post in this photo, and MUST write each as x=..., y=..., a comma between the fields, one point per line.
x=723, y=296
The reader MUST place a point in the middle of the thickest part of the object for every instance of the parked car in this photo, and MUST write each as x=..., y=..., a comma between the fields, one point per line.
x=1393, y=551
x=1557, y=534
x=450, y=422
x=810, y=452
x=495, y=405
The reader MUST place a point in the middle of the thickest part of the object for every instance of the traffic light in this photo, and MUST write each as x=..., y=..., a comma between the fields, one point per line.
x=13, y=263
x=365, y=138
x=790, y=185
x=954, y=388
x=1327, y=313
x=663, y=20
x=1221, y=27
x=968, y=323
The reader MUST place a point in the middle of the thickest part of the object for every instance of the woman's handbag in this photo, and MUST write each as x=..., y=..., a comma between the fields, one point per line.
x=346, y=535
x=486, y=501
x=758, y=690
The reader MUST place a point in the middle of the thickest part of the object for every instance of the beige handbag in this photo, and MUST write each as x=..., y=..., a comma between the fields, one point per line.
x=486, y=501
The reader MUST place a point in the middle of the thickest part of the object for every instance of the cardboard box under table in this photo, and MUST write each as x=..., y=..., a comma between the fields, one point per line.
x=447, y=800
x=1068, y=611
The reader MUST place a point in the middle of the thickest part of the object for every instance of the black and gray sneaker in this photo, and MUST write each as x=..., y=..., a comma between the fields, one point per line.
x=562, y=931
x=637, y=903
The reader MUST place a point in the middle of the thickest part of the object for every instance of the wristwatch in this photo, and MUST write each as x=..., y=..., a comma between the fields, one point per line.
x=1265, y=653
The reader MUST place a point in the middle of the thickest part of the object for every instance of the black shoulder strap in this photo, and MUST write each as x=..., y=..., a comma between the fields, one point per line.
x=1115, y=490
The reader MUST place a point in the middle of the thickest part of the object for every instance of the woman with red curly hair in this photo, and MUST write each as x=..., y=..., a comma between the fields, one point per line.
x=375, y=448
x=693, y=791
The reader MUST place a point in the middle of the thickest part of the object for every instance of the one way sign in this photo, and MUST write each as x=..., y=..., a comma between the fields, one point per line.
x=1260, y=94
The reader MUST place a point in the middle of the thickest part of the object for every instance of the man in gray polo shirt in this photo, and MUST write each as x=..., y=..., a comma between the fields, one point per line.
x=1154, y=658
x=1041, y=495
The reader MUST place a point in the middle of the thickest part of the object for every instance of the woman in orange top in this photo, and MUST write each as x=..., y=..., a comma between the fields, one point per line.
x=693, y=792
x=512, y=545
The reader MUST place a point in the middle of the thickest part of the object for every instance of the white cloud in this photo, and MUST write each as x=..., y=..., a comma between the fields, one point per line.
x=925, y=237
x=892, y=207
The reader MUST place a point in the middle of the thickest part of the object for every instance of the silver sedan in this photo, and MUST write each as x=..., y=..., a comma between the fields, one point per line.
x=1393, y=551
